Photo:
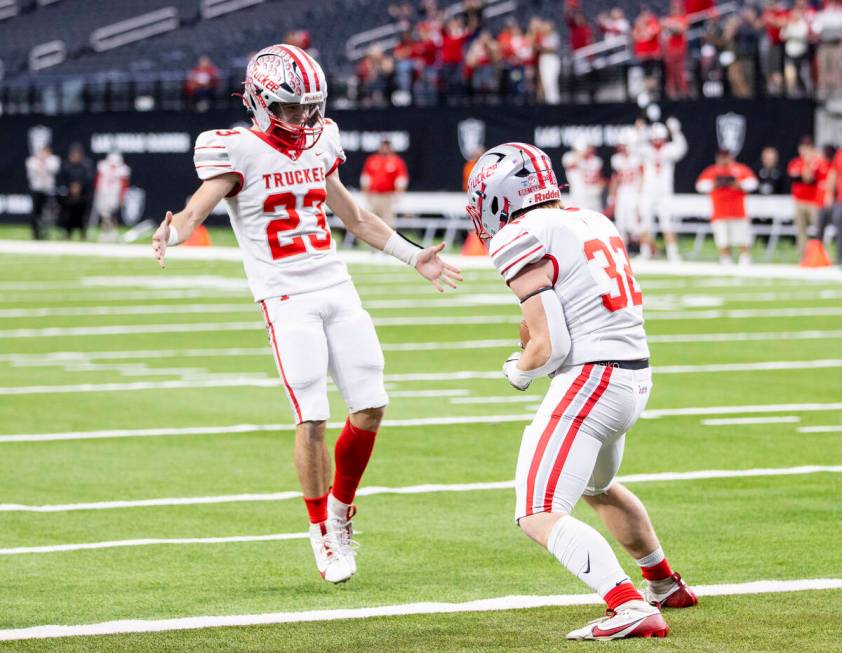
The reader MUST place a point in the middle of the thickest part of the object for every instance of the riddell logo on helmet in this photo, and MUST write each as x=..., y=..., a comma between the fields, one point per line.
x=547, y=196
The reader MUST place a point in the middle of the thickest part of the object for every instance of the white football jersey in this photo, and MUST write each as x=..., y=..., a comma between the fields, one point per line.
x=602, y=301
x=627, y=169
x=277, y=211
x=659, y=163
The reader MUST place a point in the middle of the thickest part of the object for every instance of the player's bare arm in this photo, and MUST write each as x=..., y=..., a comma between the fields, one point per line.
x=549, y=342
x=368, y=227
x=176, y=228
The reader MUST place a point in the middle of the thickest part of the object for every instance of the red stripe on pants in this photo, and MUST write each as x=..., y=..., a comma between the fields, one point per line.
x=280, y=364
x=562, y=406
x=575, y=425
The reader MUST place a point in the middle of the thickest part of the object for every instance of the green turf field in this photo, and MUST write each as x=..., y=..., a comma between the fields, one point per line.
x=159, y=386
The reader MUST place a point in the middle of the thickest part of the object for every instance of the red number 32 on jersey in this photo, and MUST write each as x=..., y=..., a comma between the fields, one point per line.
x=625, y=285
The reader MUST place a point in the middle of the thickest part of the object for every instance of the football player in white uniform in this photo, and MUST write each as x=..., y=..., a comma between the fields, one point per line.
x=583, y=309
x=583, y=169
x=666, y=147
x=275, y=179
x=625, y=187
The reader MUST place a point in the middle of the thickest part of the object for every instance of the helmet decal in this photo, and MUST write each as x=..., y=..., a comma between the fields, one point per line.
x=507, y=179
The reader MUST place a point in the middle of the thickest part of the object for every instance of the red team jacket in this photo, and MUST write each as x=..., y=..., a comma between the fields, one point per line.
x=728, y=201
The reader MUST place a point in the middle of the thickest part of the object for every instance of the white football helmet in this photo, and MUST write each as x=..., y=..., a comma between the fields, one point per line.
x=658, y=132
x=507, y=179
x=285, y=92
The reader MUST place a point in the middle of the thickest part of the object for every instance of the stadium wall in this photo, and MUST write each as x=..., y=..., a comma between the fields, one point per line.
x=435, y=142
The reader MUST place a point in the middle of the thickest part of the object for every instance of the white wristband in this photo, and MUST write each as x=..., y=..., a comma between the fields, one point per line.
x=402, y=249
x=173, y=239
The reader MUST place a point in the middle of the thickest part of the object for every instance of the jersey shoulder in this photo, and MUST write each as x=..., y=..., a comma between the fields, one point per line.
x=212, y=154
x=330, y=147
x=515, y=246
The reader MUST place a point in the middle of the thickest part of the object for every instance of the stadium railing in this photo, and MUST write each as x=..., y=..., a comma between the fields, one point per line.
x=441, y=216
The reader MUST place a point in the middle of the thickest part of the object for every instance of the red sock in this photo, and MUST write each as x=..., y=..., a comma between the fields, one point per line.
x=353, y=449
x=621, y=594
x=659, y=571
x=317, y=509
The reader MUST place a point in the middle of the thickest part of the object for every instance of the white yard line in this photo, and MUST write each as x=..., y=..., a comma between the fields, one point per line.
x=760, y=272
x=250, y=428
x=230, y=381
x=749, y=336
x=744, y=314
x=61, y=357
x=396, y=423
x=134, y=329
x=732, y=410
x=420, y=320
x=416, y=489
x=835, y=428
x=400, y=610
x=114, y=544
x=741, y=421
x=226, y=381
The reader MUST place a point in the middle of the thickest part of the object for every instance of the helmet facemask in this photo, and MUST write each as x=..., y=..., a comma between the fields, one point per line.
x=297, y=125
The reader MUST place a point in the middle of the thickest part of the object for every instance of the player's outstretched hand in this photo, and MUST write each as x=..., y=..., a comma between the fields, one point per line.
x=431, y=266
x=160, y=239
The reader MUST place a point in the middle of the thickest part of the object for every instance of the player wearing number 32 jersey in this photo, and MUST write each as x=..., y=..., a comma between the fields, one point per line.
x=276, y=179
x=583, y=309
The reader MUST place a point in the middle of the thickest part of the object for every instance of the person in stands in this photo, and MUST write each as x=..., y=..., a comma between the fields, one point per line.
x=383, y=179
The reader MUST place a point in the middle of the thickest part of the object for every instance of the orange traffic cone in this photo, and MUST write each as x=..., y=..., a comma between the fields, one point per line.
x=815, y=255
x=199, y=238
x=473, y=246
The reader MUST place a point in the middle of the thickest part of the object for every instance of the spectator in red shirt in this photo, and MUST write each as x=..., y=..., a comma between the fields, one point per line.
x=481, y=63
x=646, y=44
x=695, y=6
x=833, y=199
x=201, y=81
x=517, y=53
x=580, y=32
x=454, y=37
x=613, y=23
x=675, y=50
x=425, y=52
x=383, y=179
x=728, y=182
x=774, y=18
x=806, y=172
x=405, y=62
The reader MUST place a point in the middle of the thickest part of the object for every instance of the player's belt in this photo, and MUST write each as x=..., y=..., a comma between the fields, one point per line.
x=640, y=364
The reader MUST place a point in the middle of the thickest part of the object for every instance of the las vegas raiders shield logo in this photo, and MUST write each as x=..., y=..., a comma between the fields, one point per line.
x=731, y=132
x=471, y=134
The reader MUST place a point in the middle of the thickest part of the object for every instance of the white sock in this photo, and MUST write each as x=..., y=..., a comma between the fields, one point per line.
x=336, y=508
x=652, y=559
x=646, y=250
x=672, y=252
x=725, y=259
x=745, y=258
x=585, y=554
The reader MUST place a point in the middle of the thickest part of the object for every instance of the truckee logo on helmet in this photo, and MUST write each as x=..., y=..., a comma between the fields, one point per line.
x=483, y=174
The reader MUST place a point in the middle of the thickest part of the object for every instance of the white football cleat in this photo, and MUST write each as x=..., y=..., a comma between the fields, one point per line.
x=632, y=619
x=675, y=594
x=344, y=532
x=332, y=565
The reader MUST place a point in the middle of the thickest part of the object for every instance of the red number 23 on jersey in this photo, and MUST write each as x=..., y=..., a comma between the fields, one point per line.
x=315, y=197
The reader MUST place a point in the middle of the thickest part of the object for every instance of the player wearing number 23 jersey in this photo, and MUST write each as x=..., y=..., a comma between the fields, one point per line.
x=583, y=308
x=276, y=180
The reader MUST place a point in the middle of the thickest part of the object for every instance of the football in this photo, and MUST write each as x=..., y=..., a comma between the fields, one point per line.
x=524, y=334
